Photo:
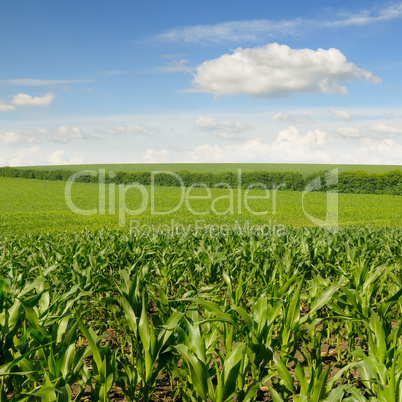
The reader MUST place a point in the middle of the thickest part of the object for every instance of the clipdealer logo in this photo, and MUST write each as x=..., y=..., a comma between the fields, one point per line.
x=238, y=199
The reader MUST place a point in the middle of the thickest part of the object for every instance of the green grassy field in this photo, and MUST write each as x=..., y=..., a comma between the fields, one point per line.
x=304, y=169
x=40, y=206
x=204, y=294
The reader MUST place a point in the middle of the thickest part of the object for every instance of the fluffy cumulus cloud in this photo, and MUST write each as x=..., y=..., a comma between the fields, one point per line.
x=340, y=114
x=28, y=100
x=6, y=108
x=290, y=145
x=277, y=71
x=292, y=137
x=385, y=151
x=60, y=158
x=157, y=156
x=24, y=157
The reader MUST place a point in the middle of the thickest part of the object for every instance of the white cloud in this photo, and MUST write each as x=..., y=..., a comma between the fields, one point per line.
x=212, y=124
x=31, y=82
x=128, y=129
x=386, y=151
x=60, y=158
x=383, y=128
x=24, y=157
x=157, y=156
x=283, y=116
x=289, y=146
x=230, y=136
x=235, y=31
x=348, y=132
x=340, y=114
x=15, y=137
x=28, y=100
x=6, y=108
x=366, y=17
x=232, y=31
x=62, y=134
x=292, y=137
x=176, y=66
x=276, y=71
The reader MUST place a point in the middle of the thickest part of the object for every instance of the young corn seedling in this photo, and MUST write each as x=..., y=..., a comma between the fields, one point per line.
x=381, y=368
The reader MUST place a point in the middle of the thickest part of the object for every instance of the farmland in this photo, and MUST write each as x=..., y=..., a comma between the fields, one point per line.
x=308, y=315
x=38, y=206
x=222, y=298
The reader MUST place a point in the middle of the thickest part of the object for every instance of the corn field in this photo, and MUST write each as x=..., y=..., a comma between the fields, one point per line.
x=311, y=315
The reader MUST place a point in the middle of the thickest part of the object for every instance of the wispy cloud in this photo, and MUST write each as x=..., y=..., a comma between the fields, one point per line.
x=62, y=134
x=340, y=114
x=131, y=129
x=232, y=31
x=366, y=17
x=176, y=66
x=212, y=124
x=383, y=128
x=349, y=132
x=32, y=82
x=283, y=116
x=224, y=129
x=235, y=31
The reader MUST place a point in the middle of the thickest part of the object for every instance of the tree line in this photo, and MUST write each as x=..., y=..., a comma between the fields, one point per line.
x=354, y=182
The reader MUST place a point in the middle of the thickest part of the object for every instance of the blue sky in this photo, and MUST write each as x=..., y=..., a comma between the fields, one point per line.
x=179, y=81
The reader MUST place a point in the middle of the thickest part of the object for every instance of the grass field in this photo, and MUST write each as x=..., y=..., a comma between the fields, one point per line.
x=35, y=206
x=304, y=169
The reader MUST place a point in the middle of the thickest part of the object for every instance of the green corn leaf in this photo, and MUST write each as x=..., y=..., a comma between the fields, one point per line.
x=284, y=374
x=301, y=376
x=230, y=372
x=245, y=316
x=129, y=314
x=214, y=309
x=337, y=394
x=275, y=396
x=198, y=371
x=377, y=340
x=319, y=386
x=91, y=338
x=67, y=362
x=324, y=298
x=168, y=327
